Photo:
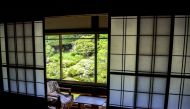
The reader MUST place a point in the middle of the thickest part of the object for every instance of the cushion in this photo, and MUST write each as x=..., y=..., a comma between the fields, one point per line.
x=65, y=101
x=52, y=86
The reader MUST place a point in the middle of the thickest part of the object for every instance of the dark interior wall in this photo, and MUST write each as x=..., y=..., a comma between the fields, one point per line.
x=35, y=13
x=73, y=7
x=65, y=7
x=123, y=10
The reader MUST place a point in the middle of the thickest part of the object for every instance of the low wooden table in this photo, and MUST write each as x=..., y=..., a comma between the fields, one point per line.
x=94, y=101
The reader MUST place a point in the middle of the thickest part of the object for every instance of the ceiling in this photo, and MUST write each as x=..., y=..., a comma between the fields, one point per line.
x=73, y=7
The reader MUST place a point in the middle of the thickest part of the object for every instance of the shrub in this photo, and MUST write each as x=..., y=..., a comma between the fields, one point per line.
x=84, y=47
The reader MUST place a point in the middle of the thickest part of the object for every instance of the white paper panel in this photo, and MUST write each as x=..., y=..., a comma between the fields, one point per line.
x=38, y=28
x=130, y=44
x=187, y=66
x=28, y=29
x=40, y=89
x=128, y=98
x=13, y=86
x=173, y=102
x=131, y=27
x=158, y=101
x=11, y=44
x=21, y=74
x=40, y=76
x=30, y=88
x=176, y=64
x=145, y=46
x=188, y=30
x=20, y=58
x=179, y=27
x=12, y=73
x=2, y=31
x=11, y=58
x=188, y=45
x=162, y=45
x=28, y=44
x=29, y=75
x=142, y=100
x=115, y=97
x=159, y=85
x=178, y=43
x=10, y=30
x=22, y=87
x=4, y=72
x=39, y=59
x=186, y=87
x=143, y=84
x=161, y=64
x=29, y=59
x=117, y=26
x=163, y=26
x=19, y=30
x=2, y=44
x=3, y=55
x=116, y=62
x=115, y=82
x=175, y=85
x=116, y=44
x=185, y=102
x=130, y=62
x=144, y=63
x=39, y=44
x=20, y=44
x=129, y=84
x=146, y=26
x=5, y=85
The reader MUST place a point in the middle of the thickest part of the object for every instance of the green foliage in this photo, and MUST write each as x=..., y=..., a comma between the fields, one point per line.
x=70, y=56
x=83, y=69
x=52, y=42
x=69, y=59
x=52, y=70
x=103, y=36
x=84, y=47
x=77, y=64
x=49, y=51
x=102, y=60
x=69, y=38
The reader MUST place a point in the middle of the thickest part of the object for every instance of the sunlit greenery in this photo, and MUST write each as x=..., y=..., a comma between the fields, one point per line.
x=78, y=57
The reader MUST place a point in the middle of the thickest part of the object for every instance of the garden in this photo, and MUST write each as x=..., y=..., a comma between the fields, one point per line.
x=74, y=56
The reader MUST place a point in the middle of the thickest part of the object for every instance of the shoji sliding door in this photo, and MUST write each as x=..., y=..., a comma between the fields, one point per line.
x=179, y=89
x=23, y=58
x=123, y=60
x=149, y=62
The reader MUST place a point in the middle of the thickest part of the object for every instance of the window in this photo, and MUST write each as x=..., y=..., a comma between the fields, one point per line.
x=152, y=55
x=22, y=54
x=77, y=57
